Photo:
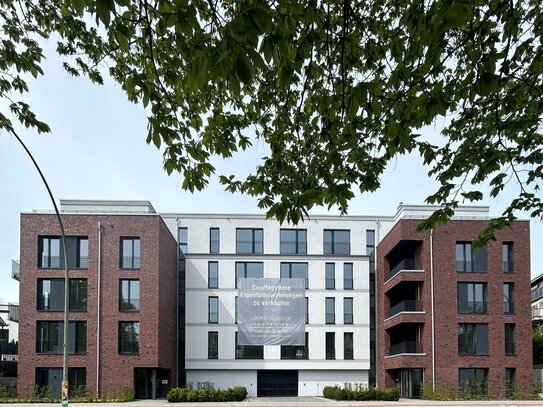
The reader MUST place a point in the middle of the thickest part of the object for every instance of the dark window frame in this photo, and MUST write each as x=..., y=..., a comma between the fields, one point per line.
x=348, y=282
x=468, y=308
x=348, y=354
x=472, y=339
x=75, y=246
x=245, y=270
x=213, y=345
x=346, y=320
x=80, y=302
x=509, y=298
x=330, y=283
x=478, y=258
x=330, y=316
x=290, y=264
x=510, y=339
x=133, y=260
x=210, y=315
x=214, y=241
x=299, y=244
x=332, y=246
x=330, y=345
x=255, y=352
x=183, y=241
x=508, y=258
x=77, y=337
x=257, y=247
x=133, y=338
x=211, y=279
x=133, y=303
x=296, y=352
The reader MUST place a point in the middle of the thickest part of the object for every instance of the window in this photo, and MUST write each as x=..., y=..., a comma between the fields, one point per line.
x=293, y=241
x=213, y=274
x=213, y=310
x=248, y=270
x=348, y=352
x=213, y=345
x=472, y=298
x=295, y=270
x=347, y=276
x=130, y=252
x=330, y=310
x=129, y=337
x=337, y=242
x=249, y=241
x=370, y=245
x=473, y=381
x=510, y=339
x=51, y=252
x=183, y=238
x=77, y=294
x=249, y=351
x=50, y=337
x=236, y=310
x=306, y=310
x=330, y=276
x=330, y=345
x=507, y=257
x=470, y=260
x=473, y=339
x=129, y=295
x=296, y=351
x=51, y=294
x=347, y=310
x=214, y=240
x=51, y=377
x=508, y=298
x=510, y=381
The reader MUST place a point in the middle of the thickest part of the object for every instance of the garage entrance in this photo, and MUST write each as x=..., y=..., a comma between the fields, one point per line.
x=277, y=383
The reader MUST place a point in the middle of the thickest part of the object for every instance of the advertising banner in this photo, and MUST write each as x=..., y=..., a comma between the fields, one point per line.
x=271, y=311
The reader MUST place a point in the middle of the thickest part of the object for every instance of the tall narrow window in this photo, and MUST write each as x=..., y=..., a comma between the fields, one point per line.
x=507, y=257
x=510, y=382
x=129, y=295
x=330, y=310
x=129, y=337
x=214, y=240
x=293, y=241
x=472, y=298
x=348, y=276
x=330, y=345
x=249, y=241
x=78, y=294
x=330, y=276
x=510, y=339
x=183, y=239
x=213, y=345
x=295, y=270
x=337, y=242
x=130, y=252
x=509, y=298
x=348, y=350
x=213, y=310
x=236, y=310
x=248, y=270
x=213, y=274
x=306, y=310
x=347, y=310
x=470, y=260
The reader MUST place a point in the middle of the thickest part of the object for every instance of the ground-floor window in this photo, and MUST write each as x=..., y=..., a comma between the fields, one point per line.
x=473, y=381
x=49, y=381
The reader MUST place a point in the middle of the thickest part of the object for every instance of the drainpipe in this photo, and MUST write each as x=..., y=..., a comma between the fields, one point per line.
x=432, y=306
x=98, y=308
x=177, y=305
x=378, y=224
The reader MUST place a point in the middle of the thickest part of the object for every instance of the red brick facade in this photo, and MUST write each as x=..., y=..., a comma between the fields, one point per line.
x=448, y=361
x=157, y=309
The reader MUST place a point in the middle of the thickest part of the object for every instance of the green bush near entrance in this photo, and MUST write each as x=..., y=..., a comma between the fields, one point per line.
x=361, y=393
x=183, y=394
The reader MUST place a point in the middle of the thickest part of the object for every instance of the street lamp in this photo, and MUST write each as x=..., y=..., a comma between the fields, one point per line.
x=64, y=389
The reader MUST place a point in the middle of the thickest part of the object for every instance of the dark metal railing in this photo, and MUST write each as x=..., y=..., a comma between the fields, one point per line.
x=405, y=264
x=405, y=347
x=405, y=306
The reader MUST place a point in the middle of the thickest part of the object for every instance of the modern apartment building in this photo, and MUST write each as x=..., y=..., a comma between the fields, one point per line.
x=153, y=300
x=449, y=312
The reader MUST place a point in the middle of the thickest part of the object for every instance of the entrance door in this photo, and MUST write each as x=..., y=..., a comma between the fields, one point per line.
x=144, y=383
x=277, y=383
x=411, y=381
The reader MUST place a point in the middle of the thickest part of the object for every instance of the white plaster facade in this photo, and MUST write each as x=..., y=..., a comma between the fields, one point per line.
x=313, y=373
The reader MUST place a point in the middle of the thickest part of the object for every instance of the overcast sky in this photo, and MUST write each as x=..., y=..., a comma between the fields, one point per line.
x=97, y=150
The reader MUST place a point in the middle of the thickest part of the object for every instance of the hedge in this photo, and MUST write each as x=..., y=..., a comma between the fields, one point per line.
x=361, y=394
x=182, y=394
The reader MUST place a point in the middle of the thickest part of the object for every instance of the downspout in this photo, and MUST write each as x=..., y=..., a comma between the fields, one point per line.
x=98, y=308
x=432, y=306
x=177, y=305
x=378, y=224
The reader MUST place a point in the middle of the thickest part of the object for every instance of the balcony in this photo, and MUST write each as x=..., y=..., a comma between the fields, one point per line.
x=13, y=312
x=407, y=347
x=405, y=264
x=537, y=293
x=15, y=266
x=537, y=314
x=405, y=306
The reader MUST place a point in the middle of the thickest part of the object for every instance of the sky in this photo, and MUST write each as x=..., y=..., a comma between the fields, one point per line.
x=97, y=150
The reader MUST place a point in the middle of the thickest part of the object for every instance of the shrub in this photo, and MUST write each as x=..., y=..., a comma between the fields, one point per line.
x=8, y=392
x=361, y=393
x=206, y=392
x=128, y=394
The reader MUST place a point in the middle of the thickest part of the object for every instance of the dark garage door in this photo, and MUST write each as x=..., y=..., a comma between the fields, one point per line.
x=277, y=383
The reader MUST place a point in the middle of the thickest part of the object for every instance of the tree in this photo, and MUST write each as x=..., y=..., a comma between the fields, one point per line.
x=537, y=345
x=336, y=88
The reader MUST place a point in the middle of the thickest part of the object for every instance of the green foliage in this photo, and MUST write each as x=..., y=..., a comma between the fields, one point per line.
x=82, y=394
x=206, y=392
x=8, y=392
x=361, y=393
x=128, y=394
x=478, y=391
x=537, y=347
x=335, y=89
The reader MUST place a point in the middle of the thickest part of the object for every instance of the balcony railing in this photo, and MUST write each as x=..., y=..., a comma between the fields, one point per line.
x=537, y=313
x=405, y=347
x=15, y=266
x=405, y=306
x=405, y=264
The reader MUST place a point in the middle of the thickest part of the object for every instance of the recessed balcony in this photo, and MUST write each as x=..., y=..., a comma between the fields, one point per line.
x=405, y=348
x=405, y=306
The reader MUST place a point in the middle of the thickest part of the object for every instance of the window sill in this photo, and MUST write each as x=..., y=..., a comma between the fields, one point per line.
x=129, y=268
x=473, y=354
x=130, y=311
x=129, y=353
x=62, y=268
